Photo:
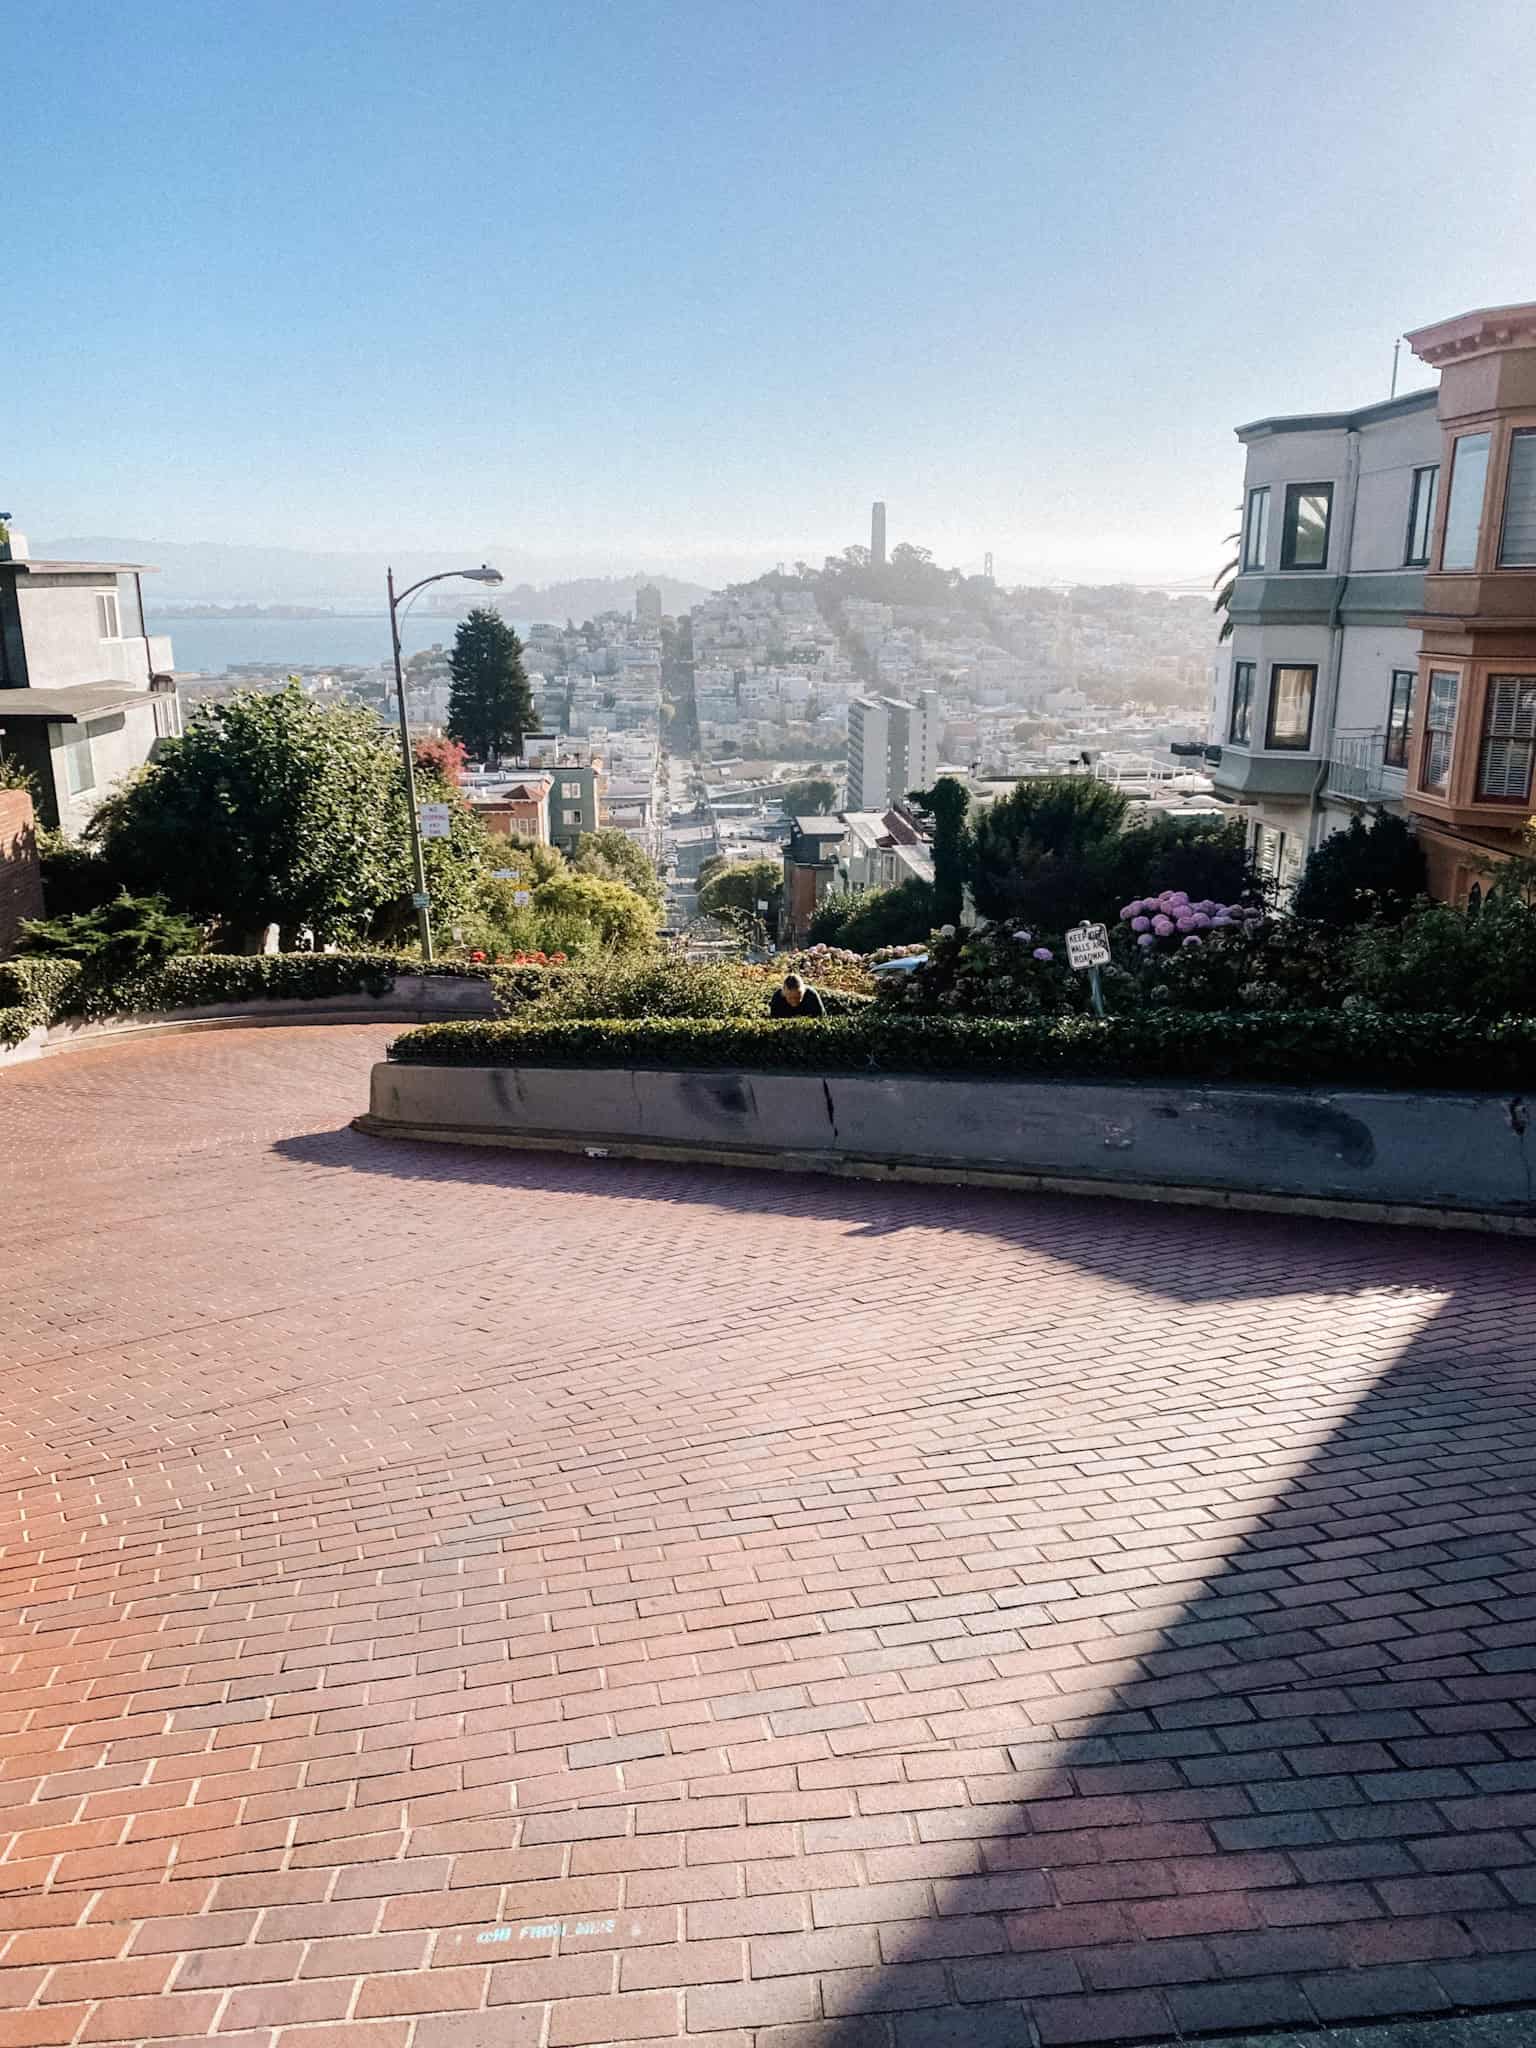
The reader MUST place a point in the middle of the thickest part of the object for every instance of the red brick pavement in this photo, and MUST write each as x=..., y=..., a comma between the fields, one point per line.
x=450, y=1600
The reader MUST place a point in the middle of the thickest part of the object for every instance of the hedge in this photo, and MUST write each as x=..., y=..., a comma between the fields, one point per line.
x=1299, y=1046
x=37, y=993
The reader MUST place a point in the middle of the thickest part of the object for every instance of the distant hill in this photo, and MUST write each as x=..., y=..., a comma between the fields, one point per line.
x=208, y=572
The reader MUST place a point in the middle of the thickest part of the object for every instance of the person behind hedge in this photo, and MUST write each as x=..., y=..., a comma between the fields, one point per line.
x=796, y=998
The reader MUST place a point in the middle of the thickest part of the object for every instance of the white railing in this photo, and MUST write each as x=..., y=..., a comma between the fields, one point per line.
x=1356, y=768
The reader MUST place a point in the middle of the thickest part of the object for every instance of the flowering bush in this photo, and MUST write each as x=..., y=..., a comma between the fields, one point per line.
x=1003, y=970
x=826, y=967
x=1171, y=919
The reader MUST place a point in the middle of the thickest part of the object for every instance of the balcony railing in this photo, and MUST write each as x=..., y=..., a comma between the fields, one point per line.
x=1357, y=770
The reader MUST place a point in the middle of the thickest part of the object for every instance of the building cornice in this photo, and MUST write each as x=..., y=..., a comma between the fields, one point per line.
x=1488, y=331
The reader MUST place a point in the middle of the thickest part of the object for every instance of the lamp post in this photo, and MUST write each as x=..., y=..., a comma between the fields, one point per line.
x=421, y=901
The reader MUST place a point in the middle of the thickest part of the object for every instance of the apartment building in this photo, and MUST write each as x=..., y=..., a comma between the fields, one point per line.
x=893, y=748
x=1384, y=623
x=85, y=692
x=1315, y=706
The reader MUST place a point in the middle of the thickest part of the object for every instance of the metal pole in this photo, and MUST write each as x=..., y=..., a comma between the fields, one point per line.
x=418, y=861
x=1096, y=991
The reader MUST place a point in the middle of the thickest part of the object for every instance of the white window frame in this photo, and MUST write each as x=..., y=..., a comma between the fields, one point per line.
x=109, y=616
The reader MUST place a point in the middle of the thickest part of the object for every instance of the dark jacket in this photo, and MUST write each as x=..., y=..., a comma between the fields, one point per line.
x=810, y=1005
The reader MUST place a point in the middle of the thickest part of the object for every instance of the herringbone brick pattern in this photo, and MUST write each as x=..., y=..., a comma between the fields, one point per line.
x=455, y=1600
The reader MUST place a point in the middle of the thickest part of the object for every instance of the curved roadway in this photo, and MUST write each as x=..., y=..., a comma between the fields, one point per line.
x=456, y=1600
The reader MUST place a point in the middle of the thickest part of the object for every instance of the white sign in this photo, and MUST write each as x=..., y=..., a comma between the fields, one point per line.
x=435, y=820
x=503, y=874
x=1088, y=946
x=522, y=898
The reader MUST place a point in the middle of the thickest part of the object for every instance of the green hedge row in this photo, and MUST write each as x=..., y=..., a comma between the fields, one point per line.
x=40, y=992
x=1307, y=1047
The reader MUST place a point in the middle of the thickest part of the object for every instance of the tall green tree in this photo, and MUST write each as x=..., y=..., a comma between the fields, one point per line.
x=946, y=804
x=613, y=856
x=737, y=887
x=276, y=810
x=808, y=796
x=1367, y=874
x=1048, y=851
x=490, y=706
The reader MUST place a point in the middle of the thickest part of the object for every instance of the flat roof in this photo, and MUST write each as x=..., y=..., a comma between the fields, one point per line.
x=44, y=568
x=820, y=828
x=69, y=707
x=1340, y=422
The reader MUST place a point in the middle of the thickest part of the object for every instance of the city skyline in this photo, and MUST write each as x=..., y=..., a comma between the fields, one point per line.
x=683, y=289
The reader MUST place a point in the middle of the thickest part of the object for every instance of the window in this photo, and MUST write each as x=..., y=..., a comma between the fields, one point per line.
x=570, y=790
x=1399, y=717
x=1240, y=730
x=79, y=769
x=1464, y=507
x=1517, y=543
x=1308, y=509
x=1291, y=690
x=108, y=626
x=1421, y=515
x=570, y=817
x=1509, y=740
x=1256, y=529
x=1439, y=729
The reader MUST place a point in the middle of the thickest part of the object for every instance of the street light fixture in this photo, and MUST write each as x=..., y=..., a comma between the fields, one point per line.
x=421, y=901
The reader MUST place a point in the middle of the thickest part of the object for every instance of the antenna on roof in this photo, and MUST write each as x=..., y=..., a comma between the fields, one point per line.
x=1395, y=347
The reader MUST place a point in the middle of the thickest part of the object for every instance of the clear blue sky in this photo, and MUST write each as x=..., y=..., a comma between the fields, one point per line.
x=686, y=283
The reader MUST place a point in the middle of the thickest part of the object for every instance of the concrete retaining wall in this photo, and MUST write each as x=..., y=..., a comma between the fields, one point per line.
x=1442, y=1157
x=414, y=999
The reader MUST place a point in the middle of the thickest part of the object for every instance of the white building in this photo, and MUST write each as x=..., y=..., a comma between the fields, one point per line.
x=893, y=747
x=1314, y=704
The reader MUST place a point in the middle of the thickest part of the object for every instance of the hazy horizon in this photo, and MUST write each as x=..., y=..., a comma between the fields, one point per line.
x=685, y=287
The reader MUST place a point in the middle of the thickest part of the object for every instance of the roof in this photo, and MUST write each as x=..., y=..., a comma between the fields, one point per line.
x=1340, y=422
x=820, y=828
x=31, y=563
x=69, y=707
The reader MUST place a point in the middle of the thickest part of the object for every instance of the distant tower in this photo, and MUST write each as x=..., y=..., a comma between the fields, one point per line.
x=877, y=532
x=987, y=567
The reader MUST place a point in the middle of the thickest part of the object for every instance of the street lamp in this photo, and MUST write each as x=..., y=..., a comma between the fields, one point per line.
x=421, y=901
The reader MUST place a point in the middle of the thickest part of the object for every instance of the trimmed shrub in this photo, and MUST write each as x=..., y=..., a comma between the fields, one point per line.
x=47, y=991
x=129, y=935
x=1296, y=1047
x=1439, y=958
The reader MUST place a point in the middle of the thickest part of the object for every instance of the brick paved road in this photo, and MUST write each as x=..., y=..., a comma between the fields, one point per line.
x=455, y=1601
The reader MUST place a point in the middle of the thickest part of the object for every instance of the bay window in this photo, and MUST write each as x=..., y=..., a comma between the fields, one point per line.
x=1292, y=691
x=1308, y=511
x=1464, y=507
x=1240, y=728
x=1439, y=730
x=1399, y=718
x=1509, y=740
x=1421, y=516
x=1256, y=529
x=1517, y=542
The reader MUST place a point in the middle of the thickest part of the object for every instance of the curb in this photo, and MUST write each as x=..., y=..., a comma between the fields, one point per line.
x=852, y=1167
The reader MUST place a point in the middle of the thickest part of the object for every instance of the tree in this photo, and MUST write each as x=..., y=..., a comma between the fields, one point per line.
x=899, y=916
x=274, y=809
x=1224, y=584
x=1205, y=857
x=621, y=921
x=737, y=887
x=490, y=706
x=1047, y=851
x=807, y=797
x=441, y=757
x=1366, y=874
x=946, y=804
x=613, y=856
